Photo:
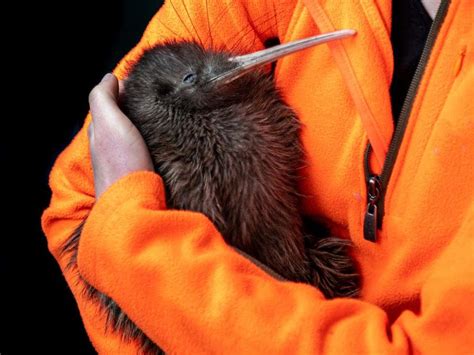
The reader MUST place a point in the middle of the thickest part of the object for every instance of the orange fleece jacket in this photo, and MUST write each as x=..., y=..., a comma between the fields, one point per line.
x=171, y=271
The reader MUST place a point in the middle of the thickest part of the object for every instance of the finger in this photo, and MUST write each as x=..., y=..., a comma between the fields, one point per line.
x=105, y=111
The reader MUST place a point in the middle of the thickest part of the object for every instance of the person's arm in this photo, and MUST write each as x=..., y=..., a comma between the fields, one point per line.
x=189, y=292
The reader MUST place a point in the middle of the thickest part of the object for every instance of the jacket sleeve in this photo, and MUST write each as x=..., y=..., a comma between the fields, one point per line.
x=180, y=283
x=71, y=179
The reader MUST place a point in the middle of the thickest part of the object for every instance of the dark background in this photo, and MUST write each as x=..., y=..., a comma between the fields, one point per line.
x=55, y=54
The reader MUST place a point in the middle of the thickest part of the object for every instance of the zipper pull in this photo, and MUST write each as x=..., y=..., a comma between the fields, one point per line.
x=374, y=188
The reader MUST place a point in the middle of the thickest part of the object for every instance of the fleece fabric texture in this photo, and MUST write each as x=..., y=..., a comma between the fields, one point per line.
x=174, y=276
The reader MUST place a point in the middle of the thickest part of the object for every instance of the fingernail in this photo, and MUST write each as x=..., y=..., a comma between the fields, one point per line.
x=107, y=76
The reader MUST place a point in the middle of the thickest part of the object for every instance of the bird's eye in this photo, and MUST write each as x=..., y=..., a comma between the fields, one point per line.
x=189, y=78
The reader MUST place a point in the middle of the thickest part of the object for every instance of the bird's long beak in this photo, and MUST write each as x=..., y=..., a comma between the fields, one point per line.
x=248, y=62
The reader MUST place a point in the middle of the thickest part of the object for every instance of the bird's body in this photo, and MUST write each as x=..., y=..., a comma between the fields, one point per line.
x=232, y=152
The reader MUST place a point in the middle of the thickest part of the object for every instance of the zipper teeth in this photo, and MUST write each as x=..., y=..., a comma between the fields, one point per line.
x=411, y=94
x=367, y=171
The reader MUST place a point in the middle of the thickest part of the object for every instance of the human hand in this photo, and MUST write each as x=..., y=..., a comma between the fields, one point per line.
x=116, y=146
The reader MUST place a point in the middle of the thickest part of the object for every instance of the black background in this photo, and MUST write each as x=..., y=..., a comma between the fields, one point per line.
x=53, y=54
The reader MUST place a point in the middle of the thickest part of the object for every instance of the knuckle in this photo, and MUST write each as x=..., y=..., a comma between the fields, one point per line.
x=95, y=95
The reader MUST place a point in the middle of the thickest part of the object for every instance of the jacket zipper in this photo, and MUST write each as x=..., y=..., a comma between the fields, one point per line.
x=377, y=184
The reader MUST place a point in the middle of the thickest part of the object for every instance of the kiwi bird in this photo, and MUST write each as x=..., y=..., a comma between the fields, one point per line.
x=227, y=145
